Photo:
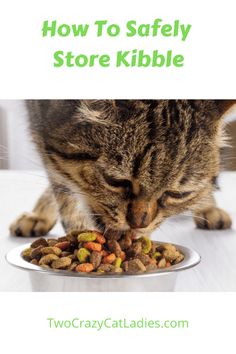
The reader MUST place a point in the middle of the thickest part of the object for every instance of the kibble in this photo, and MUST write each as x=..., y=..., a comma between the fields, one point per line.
x=51, y=250
x=36, y=253
x=84, y=268
x=82, y=255
x=39, y=242
x=63, y=245
x=49, y=258
x=87, y=237
x=61, y=263
x=90, y=251
x=93, y=246
x=95, y=259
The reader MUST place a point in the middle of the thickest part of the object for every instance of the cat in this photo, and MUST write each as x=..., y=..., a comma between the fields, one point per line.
x=116, y=165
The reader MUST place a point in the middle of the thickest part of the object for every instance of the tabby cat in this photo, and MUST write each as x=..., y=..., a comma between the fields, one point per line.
x=126, y=164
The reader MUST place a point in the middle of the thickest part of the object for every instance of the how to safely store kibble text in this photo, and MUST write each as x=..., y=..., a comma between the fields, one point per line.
x=104, y=31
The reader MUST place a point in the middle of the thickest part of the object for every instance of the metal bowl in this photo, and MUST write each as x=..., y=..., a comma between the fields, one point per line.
x=62, y=280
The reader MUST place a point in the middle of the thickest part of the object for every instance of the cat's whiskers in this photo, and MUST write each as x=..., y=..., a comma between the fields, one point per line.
x=173, y=225
x=228, y=158
x=44, y=176
x=84, y=213
x=108, y=227
x=160, y=228
x=195, y=216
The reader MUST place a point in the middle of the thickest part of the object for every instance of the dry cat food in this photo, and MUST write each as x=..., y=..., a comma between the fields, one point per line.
x=90, y=251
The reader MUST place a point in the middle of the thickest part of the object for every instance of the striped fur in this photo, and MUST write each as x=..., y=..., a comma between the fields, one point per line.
x=151, y=158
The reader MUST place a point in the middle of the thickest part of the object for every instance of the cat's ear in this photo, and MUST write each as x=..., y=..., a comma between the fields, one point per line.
x=214, y=110
x=95, y=111
x=224, y=106
x=98, y=110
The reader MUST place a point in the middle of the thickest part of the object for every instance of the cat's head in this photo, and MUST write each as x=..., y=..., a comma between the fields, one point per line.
x=138, y=162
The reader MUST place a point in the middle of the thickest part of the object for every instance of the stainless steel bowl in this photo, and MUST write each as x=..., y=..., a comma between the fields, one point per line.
x=61, y=280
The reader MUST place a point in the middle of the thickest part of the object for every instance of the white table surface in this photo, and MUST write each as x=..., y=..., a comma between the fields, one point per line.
x=216, y=272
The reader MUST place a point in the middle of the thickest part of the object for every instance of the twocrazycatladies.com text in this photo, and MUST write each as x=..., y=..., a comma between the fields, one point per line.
x=111, y=323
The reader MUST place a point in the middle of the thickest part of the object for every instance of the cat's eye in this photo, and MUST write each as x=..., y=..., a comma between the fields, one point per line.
x=117, y=183
x=74, y=156
x=121, y=185
x=173, y=198
x=178, y=195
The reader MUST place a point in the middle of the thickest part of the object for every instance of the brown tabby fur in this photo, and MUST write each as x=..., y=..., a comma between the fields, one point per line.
x=121, y=164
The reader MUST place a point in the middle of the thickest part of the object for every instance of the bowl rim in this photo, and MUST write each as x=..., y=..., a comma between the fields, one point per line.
x=191, y=259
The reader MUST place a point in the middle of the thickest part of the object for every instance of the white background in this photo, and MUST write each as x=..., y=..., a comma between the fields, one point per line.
x=17, y=152
x=26, y=69
x=211, y=326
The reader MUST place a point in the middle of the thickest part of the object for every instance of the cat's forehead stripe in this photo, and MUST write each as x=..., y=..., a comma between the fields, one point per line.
x=139, y=159
x=151, y=119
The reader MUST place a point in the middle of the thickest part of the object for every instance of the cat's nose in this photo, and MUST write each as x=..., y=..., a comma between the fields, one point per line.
x=140, y=213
